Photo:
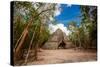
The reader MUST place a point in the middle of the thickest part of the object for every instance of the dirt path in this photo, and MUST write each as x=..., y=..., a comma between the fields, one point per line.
x=64, y=56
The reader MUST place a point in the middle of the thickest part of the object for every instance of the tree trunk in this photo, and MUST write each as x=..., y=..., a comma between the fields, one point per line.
x=37, y=44
x=36, y=52
x=75, y=45
x=80, y=46
x=30, y=47
x=18, y=49
x=19, y=45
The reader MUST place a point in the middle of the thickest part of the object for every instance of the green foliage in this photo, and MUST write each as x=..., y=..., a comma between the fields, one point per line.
x=18, y=27
x=26, y=12
x=86, y=34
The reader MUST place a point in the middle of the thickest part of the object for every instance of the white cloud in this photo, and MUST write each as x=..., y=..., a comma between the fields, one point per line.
x=61, y=26
x=51, y=18
x=57, y=10
x=69, y=5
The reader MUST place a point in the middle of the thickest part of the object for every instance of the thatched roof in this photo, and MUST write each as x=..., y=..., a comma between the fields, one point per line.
x=55, y=39
x=55, y=36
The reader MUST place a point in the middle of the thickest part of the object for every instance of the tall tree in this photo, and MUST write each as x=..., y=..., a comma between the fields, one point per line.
x=34, y=16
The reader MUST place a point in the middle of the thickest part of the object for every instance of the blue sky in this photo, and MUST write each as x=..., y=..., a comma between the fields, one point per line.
x=69, y=13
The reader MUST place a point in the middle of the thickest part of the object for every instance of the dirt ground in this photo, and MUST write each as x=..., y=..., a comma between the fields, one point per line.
x=63, y=56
